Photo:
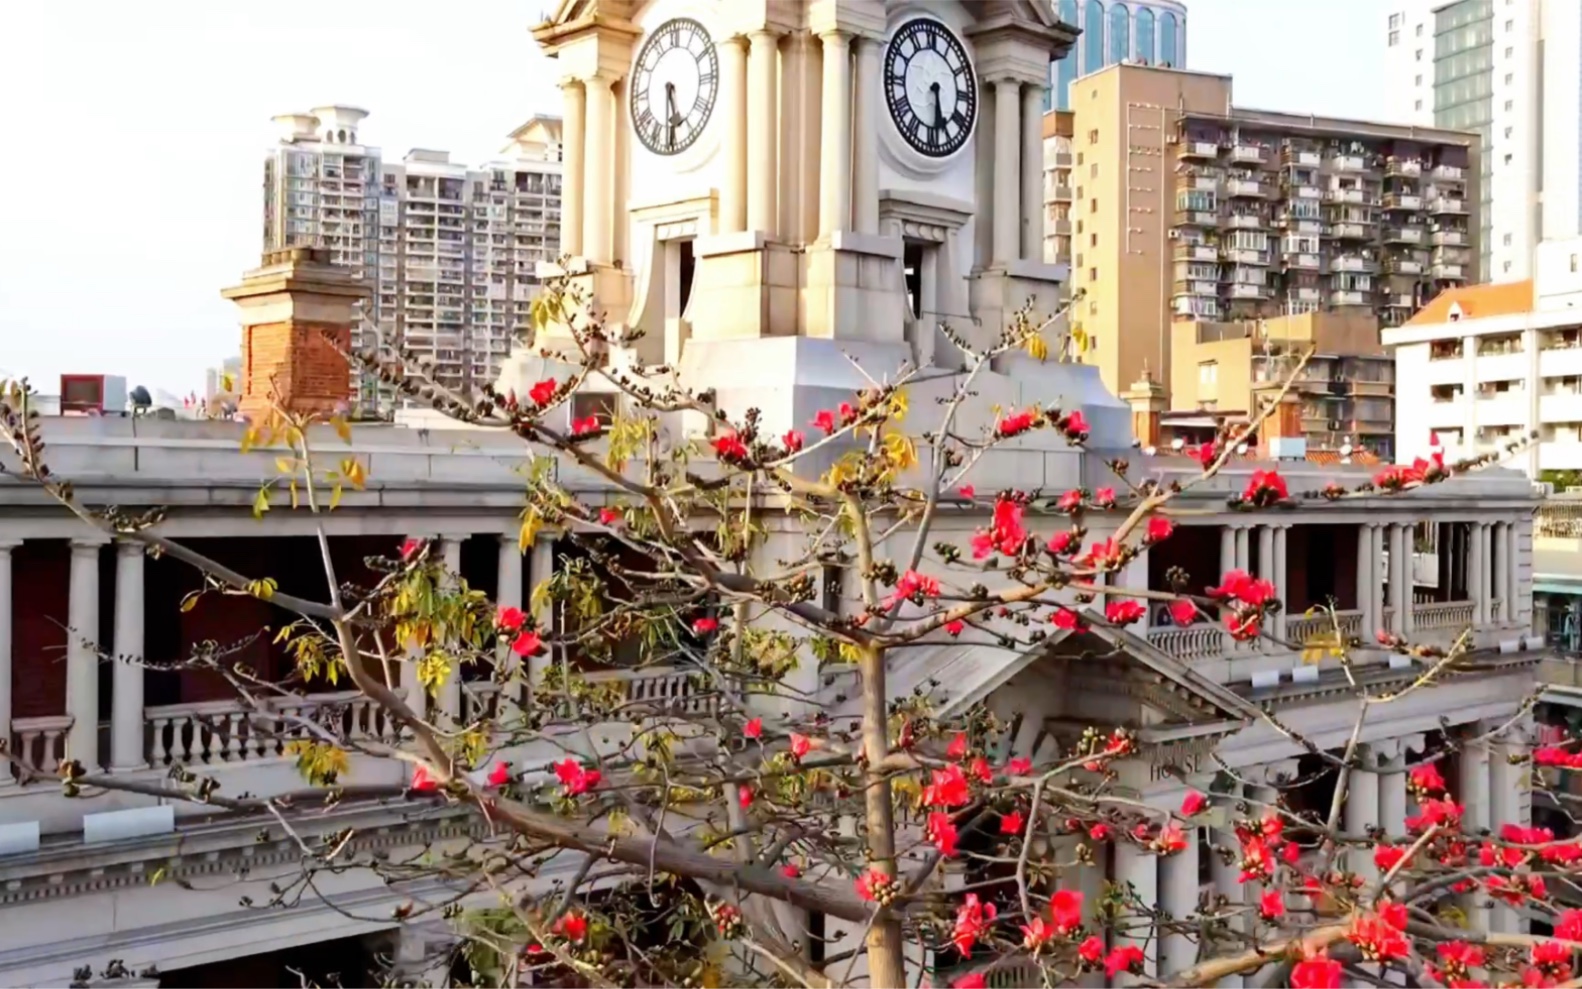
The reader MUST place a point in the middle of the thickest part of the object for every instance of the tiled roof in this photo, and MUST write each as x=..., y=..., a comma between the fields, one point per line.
x=1328, y=458
x=1476, y=302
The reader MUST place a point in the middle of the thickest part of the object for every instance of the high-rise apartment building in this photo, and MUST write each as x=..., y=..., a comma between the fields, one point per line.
x=452, y=251
x=1058, y=161
x=1512, y=71
x=1148, y=32
x=1188, y=207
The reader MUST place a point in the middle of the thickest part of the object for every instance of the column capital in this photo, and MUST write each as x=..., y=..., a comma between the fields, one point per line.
x=127, y=546
x=88, y=543
x=9, y=543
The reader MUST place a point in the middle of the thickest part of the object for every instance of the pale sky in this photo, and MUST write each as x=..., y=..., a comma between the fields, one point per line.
x=134, y=131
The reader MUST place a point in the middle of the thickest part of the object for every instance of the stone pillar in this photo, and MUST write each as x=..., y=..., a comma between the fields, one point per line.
x=733, y=135
x=1266, y=554
x=1392, y=794
x=1007, y=170
x=1243, y=552
x=865, y=161
x=573, y=132
x=1138, y=866
x=1032, y=172
x=1362, y=810
x=126, y=731
x=1228, y=884
x=1400, y=578
x=1513, y=611
x=1478, y=574
x=1472, y=789
x=834, y=179
x=1227, y=550
x=598, y=226
x=1510, y=802
x=509, y=595
x=296, y=315
x=540, y=567
x=82, y=654
x=1378, y=579
x=7, y=544
x=450, y=691
x=1497, y=558
x=763, y=127
x=412, y=687
x=1367, y=569
x=1178, y=896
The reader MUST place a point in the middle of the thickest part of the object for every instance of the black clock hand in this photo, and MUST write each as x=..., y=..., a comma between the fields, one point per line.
x=670, y=114
x=939, y=113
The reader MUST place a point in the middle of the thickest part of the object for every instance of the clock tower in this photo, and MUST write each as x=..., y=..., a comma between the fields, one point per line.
x=787, y=195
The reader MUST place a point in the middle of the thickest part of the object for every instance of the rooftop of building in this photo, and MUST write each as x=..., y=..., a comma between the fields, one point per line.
x=1476, y=302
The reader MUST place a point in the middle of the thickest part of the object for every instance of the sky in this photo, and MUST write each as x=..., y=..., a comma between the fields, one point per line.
x=134, y=133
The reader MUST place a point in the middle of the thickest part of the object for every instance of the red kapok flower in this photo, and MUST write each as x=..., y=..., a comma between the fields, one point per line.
x=575, y=779
x=1271, y=905
x=543, y=391
x=792, y=441
x=1124, y=611
x=1171, y=839
x=1264, y=488
x=729, y=446
x=422, y=781
x=1074, y=426
x=872, y=883
x=572, y=927
x=967, y=491
x=800, y=745
x=744, y=796
x=500, y=775
x=582, y=427
x=1426, y=779
x=1070, y=501
x=705, y=625
x=1378, y=938
x=947, y=788
x=1103, y=556
x=1067, y=620
x=791, y=870
x=1091, y=950
x=1005, y=534
x=954, y=627
x=1063, y=542
x=1126, y=958
x=1036, y=934
x=973, y=920
x=1104, y=497
x=410, y=548
x=1019, y=766
x=1065, y=909
x=972, y=980
x=1317, y=972
x=1183, y=612
x=1014, y=424
x=510, y=619
x=1386, y=856
x=957, y=747
x=824, y=420
x=1158, y=529
x=609, y=516
x=1569, y=925
x=941, y=831
x=1011, y=824
x=1193, y=803
x=754, y=728
x=527, y=643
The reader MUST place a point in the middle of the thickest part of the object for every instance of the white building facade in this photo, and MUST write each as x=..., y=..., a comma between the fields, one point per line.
x=1507, y=69
x=1481, y=379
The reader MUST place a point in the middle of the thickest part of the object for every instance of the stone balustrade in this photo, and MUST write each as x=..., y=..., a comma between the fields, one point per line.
x=40, y=742
x=1202, y=641
x=1444, y=614
x=1303, y=629
x=225, y=731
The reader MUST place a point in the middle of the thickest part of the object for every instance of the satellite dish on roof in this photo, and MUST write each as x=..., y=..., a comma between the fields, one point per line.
x=141, y=400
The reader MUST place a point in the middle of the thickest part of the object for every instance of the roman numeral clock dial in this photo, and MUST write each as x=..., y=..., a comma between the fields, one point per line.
x=674, y=84
x=930, y=88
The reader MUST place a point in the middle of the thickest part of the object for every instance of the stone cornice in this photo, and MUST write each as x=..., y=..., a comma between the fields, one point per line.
x=1337, y=684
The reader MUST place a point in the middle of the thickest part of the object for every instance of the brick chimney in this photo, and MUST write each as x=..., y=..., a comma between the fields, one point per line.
x=296, y=310
x=1147, y=400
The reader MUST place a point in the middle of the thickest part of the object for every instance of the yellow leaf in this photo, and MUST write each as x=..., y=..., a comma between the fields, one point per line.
x=1079, y=340
x=899, y=405
x=261, y=503
x=293, y=490
x=283, y=635
x=335, y=496
x=285, y=465
x=353, y=470
x=901, y=451
x=342, y=428
x=157, y=876
x=190, y=601
x=529, y=530
x=249, y=438
x=1036, y=347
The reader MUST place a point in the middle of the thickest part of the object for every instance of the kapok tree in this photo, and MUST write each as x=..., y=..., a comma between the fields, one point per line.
x=718, y=810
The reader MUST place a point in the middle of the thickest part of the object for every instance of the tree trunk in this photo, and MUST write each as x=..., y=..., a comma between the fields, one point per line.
x=886, y=965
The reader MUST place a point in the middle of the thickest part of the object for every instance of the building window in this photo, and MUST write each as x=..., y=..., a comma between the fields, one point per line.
x=1145, y=37
x=1508, y=159
x=1507, y=240
x=1395, y=38
x=1508, y=105
x=1093, y=274
x=1418, y=81
x=1093, y=170
x=1419, y=31
x=1418, y=55
x=1093, y=239
x=1573, y=262
x=1507, y=266
x=1092, y=37
x=1395, y=20
x=1418, y=105
x=1510, y=77
x=1079, y=157
x=1120, y=33
x=1093, y=205
x=1093, y=136
x=1167, y=39
x=1510, y=25
x=1208, y=381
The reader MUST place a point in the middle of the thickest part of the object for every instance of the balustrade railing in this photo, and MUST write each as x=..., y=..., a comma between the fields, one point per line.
x=1444, y=614
x=217, y=732
x=675, y=691
x=1202, y=641
x=480, y=700
x=39, y=742
x=1300, y=630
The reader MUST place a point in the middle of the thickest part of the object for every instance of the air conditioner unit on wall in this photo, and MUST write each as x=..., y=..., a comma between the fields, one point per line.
x=1173, y=234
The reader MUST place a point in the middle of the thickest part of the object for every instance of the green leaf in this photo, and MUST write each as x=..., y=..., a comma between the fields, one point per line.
x=261, y=503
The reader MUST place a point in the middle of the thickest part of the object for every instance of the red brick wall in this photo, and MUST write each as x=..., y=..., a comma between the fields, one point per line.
x=294, y=363
x=40, y=594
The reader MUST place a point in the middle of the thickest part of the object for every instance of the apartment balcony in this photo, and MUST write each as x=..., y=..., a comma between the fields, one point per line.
x=1060, y=227
x=1409, y=167
x=1447, y=205
x=1348, y=297
x=1304, y=262
x=1197, y=218
x=1246, y=221
x=1247, y=290
x=1394, y=234
x=1245, y=187
x=1201, y=183
x=1451, y=255
x=1304, y=293
x=1351, y=230
x=1197, y=149
x=1502, y=409
x=1239, y=255
x=1302, y=159
x=1448, y=237
x=1361, y=196
x=1397, y=200
x=1398, y=300
x=1448, y=272
x=1250, y=154
x=1304, y=192
x=1061, y=193
x=1448, y=172
x=1554, y=362
x=1197, y=287
x=1307, y=226
x=1348, y=163
x=1059, y=159
x=1352, y=262
x=1195, y=252
x=1560, y=408
x=1445, y=413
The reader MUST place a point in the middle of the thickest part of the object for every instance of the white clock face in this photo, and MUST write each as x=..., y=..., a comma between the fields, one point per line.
x=930, y=89
x=674, y=83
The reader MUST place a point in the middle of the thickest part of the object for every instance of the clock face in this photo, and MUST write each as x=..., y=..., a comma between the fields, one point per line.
x=674, y=83
x=930, y=88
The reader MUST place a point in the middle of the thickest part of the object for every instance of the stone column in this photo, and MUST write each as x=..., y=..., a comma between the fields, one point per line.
x=1366, y=569
x=1138, y=866
x=1478, y=573
x=834, y=178
x=1007, y=170
x=1032, y=172
x=1472, y=789
x=126, y=716
x=865, y=161
x=763, y=127
x=450, y=690
x=573, y=132
x=1228, y=884
x=1282, y=583
x=1501, y=570
x=598, y=226
x=1513, y=611
x=1400, y=576
x=1227, y=550
x=1392, y=793
x=1266, y=554
x=1378, y=579
x=7, y=544
x=540, y=567
x=1510, y=802
x=1362, y=810
x=1178, y=896
x=733, y=134
x=1243, y=549
x=82, y=654
x=509, y=595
